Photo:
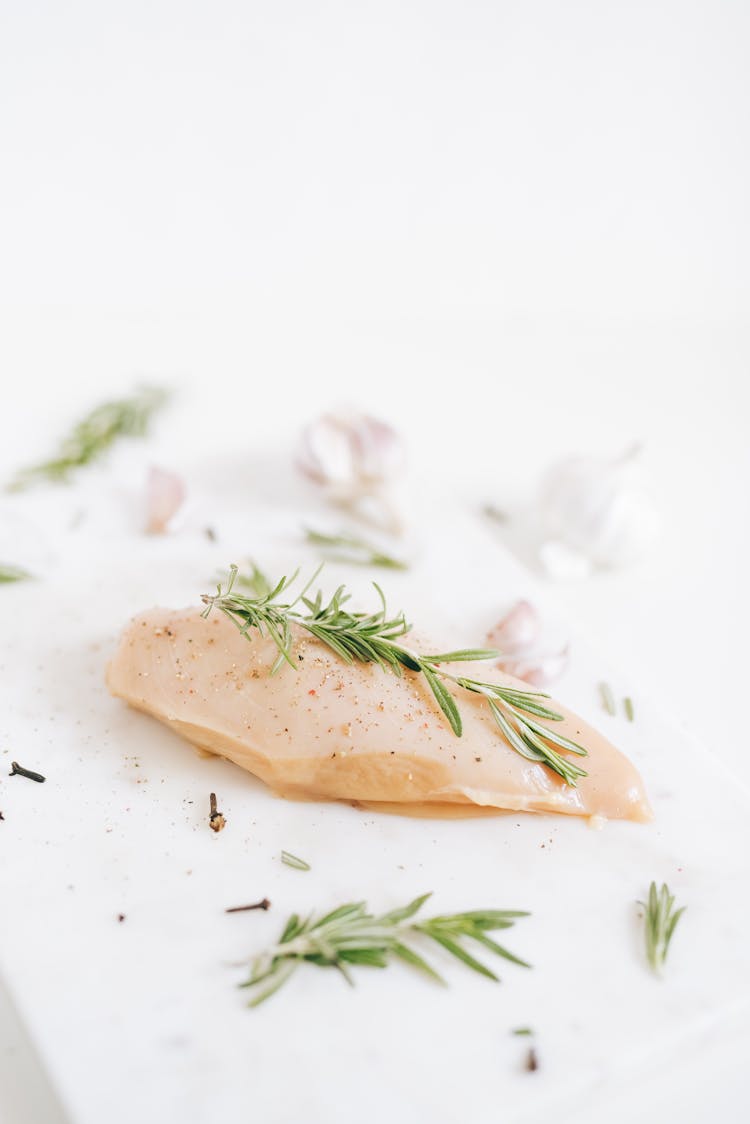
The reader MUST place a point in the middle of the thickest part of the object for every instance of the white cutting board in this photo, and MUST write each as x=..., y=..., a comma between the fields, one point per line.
x=141, y=1018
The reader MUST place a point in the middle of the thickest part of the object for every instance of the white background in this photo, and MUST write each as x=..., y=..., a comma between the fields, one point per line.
x=516, y=229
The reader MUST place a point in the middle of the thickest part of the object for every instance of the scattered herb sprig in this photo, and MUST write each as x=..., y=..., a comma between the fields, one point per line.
x=355, y=550
x=13, y=574
x=350, y=935
x=660, y=922
x=375, y=638
x=94, y=434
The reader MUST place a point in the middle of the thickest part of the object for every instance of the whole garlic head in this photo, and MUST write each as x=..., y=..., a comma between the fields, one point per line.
x=350, y=453
x=598, y=508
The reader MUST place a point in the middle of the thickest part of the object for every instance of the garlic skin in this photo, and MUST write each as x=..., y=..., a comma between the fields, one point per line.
x=598, y=508
x=517, y=631
x=165, y=494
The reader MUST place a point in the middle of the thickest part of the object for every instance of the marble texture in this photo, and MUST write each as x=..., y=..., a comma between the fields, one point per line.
x=141, y=1017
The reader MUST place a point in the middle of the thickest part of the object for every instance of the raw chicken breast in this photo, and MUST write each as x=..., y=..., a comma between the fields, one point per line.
x=334, y=731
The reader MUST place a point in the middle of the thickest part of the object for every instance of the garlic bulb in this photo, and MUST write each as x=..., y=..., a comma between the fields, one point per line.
x=597, y=507
x=354, y=457
x=165, y=493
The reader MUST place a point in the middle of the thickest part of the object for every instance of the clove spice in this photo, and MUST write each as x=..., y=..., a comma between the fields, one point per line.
x=264, y=903
x=216, y=820
x=17, y=770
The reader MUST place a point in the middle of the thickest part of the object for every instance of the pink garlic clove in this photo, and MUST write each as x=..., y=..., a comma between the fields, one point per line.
x=165, y=494
x=538, y=670
x=353, y=454
x=517, y=630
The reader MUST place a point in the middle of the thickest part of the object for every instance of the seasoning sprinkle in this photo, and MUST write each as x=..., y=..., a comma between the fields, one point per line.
x=293, y=861
x=608, y=699
x=524, y=1031
x=264, y=903
x=216, y=820
x=628, y=706
x=17, y=770
x=532, y=1060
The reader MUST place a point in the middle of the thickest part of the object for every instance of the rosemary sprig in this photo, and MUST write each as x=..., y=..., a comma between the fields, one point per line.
x=350, y=548
x=661, y=920
x=350, y=935
x=374, y=638
x=13, y=574
x=94, y=434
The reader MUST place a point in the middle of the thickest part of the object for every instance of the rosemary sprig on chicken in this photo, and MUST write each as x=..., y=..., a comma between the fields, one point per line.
x=376, y=637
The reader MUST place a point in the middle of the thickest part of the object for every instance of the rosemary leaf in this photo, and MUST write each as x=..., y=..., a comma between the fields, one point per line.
x=293, y=861
x=608, y=699
x=94, y=434
x=10, y=574
x=352, y=549
x=349, y=936
x=376, y=637
x=629, y=709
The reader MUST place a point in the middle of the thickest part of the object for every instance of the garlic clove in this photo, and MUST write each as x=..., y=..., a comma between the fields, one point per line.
x=599, y=508
x=325, y=453
x=517, y=630
x=351, y=453
x=538, y=670
x=165, y=494
x=562, y=563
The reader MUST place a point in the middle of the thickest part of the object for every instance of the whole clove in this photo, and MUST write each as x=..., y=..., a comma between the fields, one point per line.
x=17, y=770
x=264, y=903
x=216, y=820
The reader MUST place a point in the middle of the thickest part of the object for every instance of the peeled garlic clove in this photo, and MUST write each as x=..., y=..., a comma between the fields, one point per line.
x=562, y=562
x=165, y=493
x=517, y=631
x=351, y=453
x=539, y=670
x=598, y=508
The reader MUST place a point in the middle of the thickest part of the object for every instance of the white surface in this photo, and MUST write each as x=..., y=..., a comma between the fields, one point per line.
x=541, y=209
x=120, y=826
